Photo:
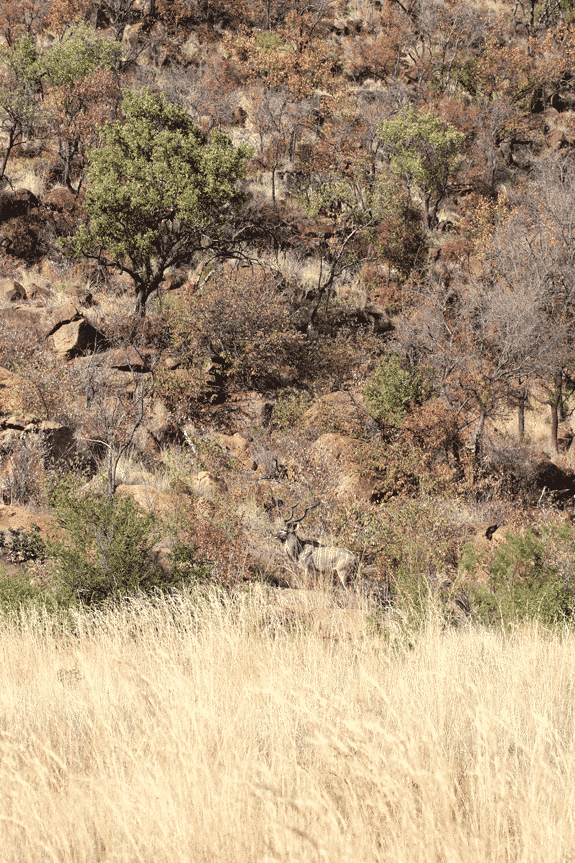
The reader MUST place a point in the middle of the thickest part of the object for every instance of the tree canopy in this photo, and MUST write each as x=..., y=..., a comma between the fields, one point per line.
x=159, y=191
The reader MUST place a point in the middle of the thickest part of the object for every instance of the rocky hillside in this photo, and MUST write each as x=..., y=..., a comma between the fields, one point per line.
x=260, y=255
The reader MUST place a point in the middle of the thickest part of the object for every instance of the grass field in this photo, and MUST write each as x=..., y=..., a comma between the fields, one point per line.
x=193, y=730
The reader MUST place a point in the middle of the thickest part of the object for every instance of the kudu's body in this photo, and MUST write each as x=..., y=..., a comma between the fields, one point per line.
x=311, y=556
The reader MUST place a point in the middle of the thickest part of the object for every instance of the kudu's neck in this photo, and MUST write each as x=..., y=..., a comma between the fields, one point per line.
x=293, y=545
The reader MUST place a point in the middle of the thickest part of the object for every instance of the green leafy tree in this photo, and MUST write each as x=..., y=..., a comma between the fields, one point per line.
x=79, y=53
x=424, y=151
x=160, y=190
x=81, y=89
x=19, y=88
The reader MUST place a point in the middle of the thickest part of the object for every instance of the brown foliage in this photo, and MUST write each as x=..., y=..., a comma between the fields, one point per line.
x=244, y=319
x=78, y=110
x=19, y=17
x=434, y=428
x=49, y=386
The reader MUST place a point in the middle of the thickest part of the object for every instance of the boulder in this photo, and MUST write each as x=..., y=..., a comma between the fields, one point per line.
x=20, y=203
x=38, y=294
x=351, y=479
x=58, y=440
x=125, y=360
x=145, y=444
x=238, y=446
x=11, y=291
x=60, y=200
x=160, y=421
x=149, y=499
x=248, y=411
x=75, y=338
x=205, y=484
x=61, y=315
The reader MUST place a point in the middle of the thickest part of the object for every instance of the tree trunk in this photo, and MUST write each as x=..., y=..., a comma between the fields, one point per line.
x=478, y=454
x=554, y=404
x=7, y=152
x=521, y=415
x=141, y=299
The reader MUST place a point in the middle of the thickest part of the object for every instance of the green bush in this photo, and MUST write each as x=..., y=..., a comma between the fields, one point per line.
x=530, y=578
x=187, y=566
x=393, y=390
x=18, y=595
x=23, y=545
x=105, y=551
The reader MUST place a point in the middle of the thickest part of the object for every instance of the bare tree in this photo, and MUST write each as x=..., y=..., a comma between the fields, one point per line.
x=115, y=411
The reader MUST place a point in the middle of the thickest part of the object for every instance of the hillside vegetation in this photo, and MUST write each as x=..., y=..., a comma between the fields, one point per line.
x=259, y=256
x=267, y=266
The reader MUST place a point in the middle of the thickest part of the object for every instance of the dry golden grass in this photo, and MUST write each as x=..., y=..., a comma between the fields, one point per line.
x=199, y=731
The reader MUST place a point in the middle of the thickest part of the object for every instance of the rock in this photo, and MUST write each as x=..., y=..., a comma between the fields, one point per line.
x=75, y=338
x=11, y=291
x=380, y=320
x=248, y=411
x=60, y=201
x=354, y=480
x=63, y=314
x=238, y=447
x=21, y=241
x=204, y=484
x=59, y=444
x=149, y=499
x=125, y=360
x=38, y=294
x=160, y=422
x=145, y=444
x=20, y=203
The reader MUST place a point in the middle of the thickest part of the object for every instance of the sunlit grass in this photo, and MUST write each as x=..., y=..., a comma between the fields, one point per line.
x=200, y=729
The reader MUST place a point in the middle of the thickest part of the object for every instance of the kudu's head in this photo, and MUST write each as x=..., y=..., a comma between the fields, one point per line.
x=291, y=523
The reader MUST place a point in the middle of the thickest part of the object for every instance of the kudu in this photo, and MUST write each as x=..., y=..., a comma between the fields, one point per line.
x=311, y=556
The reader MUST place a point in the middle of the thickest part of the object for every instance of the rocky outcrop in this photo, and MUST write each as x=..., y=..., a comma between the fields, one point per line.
x=71, y=334
x=149, y=499
x=341, y=411
x=205, y=484
x=11, y=291
x=351, y=480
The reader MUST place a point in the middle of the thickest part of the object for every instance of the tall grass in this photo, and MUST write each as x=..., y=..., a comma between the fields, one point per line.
x=197, y=730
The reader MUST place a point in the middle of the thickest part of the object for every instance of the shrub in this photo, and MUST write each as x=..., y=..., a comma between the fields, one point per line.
x=187, y=566
x=23, y=545
x=393, y=389
x=289, y=408
x=530, y=577
x=19, y=596
x=244, y=320
x=105, y=553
